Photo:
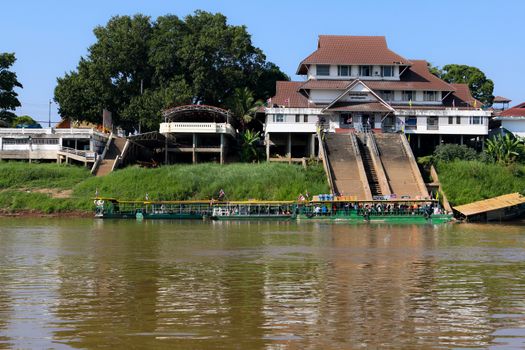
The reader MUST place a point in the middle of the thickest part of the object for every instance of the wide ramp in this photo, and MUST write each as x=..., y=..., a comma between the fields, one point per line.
x=346, y=166
x=402, y=172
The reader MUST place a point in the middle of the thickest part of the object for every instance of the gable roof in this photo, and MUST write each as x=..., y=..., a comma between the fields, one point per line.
x=350, y=87
x=349, y=50
x=290, y=90
x=501, y=99
x=516, y=111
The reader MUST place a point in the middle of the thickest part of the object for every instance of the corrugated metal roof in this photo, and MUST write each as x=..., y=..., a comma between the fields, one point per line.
x=491, y=204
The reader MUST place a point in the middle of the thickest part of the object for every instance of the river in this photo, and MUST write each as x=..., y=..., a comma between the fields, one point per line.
x=82, y=283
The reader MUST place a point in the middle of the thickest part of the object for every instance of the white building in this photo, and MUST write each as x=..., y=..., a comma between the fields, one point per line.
x=513, y=119
x=56, y=144
x=355, y=83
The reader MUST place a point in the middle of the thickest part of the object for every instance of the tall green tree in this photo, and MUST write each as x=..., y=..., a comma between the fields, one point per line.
x=8, y=82
x=243, y=106
x=480, y=86
x=137, y=67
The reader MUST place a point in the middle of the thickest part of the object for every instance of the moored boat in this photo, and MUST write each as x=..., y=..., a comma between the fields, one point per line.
x=254, y=210
x=111, y=208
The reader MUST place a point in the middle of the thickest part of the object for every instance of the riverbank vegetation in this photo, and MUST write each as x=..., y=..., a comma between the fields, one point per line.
x=52, y=188
x=468, y=176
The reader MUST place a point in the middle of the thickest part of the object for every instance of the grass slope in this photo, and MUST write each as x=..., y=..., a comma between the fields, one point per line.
x=21, y=183
x=469, y=181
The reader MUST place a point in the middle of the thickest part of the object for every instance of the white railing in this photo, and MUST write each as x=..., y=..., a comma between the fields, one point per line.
x=175, y=127
x=102, y=156
x=78, y=152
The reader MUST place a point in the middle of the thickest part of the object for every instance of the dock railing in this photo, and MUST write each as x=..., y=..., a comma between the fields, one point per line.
x=326, y=162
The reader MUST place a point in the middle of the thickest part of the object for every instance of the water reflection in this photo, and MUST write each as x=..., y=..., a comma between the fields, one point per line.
x=85, y=284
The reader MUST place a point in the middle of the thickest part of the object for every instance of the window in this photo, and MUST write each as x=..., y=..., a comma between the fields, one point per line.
x=306, y=118
x=297, y=118
x=451, y=120
x=432, y=123
x=278, y=118
x=387, y=95
x=429, y=96
x=15, y=141
x=323, y=69
x=411, y=121
x=346, y=119
x=344, y=71
x=475, y=120
x=45, y=141
x=409, y=96
x=458, y=120
x=387, y=71
x=365, y=71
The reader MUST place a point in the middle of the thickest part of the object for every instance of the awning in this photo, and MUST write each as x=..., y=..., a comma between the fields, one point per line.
x=483, y=206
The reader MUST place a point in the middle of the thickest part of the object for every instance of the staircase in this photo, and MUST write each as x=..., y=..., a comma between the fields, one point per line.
x=399, y=164
x=344, y=162
x=370, y=170
x=115, y=149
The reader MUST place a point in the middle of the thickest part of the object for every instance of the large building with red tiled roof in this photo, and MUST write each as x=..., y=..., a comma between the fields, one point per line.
x=356, y=83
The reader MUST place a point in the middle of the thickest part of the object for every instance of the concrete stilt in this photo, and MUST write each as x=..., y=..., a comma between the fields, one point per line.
x=418, y=141
x=267, y=142
x=166, y=148
x=461, y=139
x=222, y=148
x=312, y=145
x=289, y=146
x=194, y=154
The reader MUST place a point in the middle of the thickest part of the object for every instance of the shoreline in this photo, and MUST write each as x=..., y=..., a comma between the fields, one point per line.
x=24, y=213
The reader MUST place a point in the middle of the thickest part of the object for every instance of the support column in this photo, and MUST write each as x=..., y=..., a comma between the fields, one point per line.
x=312, y=145
x=166, y=148
x=289, y=146
x=439, y=140
x=482, y=143
x=222, y=148
x=267, y=141
x=418, y=141
x=76, y=144
x=461, y=139
x=194, y=155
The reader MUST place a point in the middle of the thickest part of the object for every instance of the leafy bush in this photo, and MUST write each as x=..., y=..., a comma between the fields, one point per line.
x=450, y=152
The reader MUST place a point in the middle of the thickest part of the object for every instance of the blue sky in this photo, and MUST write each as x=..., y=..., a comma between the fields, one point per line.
x=49, y=37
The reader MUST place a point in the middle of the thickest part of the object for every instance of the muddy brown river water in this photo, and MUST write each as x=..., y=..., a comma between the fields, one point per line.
x=85, y=284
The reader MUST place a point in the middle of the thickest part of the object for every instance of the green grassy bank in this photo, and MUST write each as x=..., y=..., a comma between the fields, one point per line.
x=52, y=188
x=468, y=181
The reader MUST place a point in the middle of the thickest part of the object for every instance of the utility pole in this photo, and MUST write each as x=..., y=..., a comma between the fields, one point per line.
x=50, y=101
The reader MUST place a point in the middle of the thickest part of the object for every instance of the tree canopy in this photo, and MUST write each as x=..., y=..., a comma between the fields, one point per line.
x=480, y=86
x=139, y=66
x=8, y=82
x=25, y=121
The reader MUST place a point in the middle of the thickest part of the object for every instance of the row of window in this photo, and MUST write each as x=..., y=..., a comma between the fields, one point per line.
x=428, y=96
x=279, y=118
x=346, y=71
x=7, y=141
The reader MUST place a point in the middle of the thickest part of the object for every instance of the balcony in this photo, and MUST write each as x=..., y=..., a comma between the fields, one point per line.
x=197, y=128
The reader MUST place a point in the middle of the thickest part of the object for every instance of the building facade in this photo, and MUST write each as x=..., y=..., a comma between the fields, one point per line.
x=356, y=83
x=513, y=119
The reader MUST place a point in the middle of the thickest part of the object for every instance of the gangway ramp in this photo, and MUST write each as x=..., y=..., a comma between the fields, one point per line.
x=402, y=172
x=346, y=166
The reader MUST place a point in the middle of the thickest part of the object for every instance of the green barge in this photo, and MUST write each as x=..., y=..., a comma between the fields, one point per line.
x=377, y=211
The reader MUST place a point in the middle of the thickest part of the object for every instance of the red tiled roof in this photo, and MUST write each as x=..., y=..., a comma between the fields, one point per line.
x=326, y=84
x=290, y=90
x=516, y=111
x=359, y=107
x=461, y=97
x=501, y=99
x=416, y=77
x=347, y=49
